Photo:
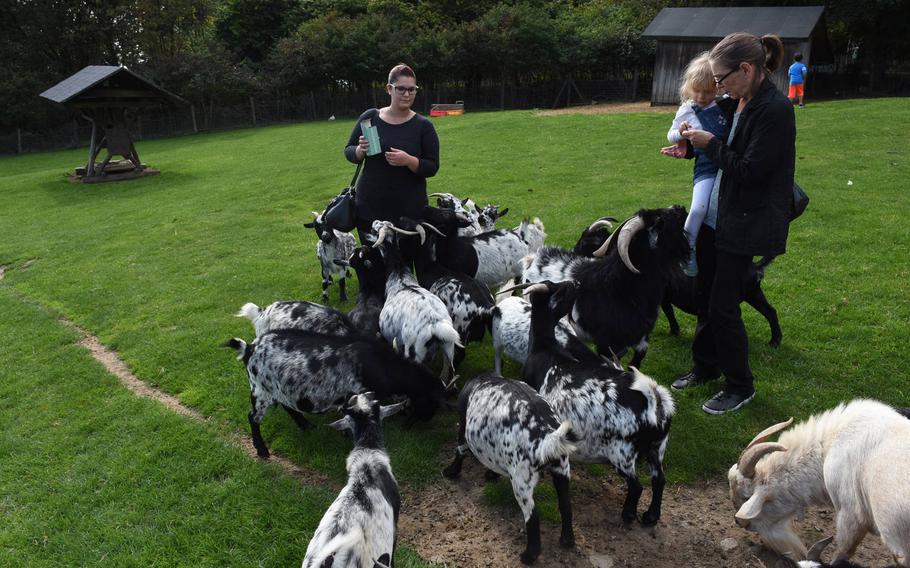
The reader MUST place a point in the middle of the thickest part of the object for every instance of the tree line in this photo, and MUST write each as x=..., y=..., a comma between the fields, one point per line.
x=229, y=50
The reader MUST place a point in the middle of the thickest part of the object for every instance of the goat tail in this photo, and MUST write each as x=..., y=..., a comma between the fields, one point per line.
x=344, y=541
x=557, y=444
x=244, y=350
x=445, y=332
x=762, y=264
x=250, y=311
x=660, y=404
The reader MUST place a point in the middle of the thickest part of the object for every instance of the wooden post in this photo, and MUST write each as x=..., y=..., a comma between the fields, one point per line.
x=18, y=140
x=75, y=134
x=193, y=114
x=635, y=84
x=90, y=165
x=253, y=109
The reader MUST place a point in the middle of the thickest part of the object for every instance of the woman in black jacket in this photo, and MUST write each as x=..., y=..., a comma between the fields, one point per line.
x=752, y=201
x=394, y=179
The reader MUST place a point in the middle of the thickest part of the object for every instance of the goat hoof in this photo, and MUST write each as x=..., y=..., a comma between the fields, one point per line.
x=528, y=558
x=451, y=472
x=775, y=342
x=263, y=454
x=628, y=519
x=674, y=331
x=490, y=475
x=567, y=542
x=649, y=520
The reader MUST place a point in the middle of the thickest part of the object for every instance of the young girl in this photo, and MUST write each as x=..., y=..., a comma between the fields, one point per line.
x=697, y=111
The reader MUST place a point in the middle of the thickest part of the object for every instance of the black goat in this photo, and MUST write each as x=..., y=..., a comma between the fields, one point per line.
x=368, y=265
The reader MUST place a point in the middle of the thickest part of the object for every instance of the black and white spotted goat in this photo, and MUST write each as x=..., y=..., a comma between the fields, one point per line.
x=620, y=290
x=359, y=529
x=493, y=258
x=617, y=415
x=681, y=289
x=413, y=320
x=513, y=432
x=467, y=300
x=307, y=372
x=297, y=314
x=332, y=245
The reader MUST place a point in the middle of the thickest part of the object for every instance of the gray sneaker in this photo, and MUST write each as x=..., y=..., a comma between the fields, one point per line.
x=690, y=269
x=724, y=402
x=690, y=379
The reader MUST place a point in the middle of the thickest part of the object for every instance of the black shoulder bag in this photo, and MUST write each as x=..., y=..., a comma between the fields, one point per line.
x=341, y=214
x=800, y=201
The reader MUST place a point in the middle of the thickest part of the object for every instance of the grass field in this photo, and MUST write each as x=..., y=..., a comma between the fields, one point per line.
x=157, y=267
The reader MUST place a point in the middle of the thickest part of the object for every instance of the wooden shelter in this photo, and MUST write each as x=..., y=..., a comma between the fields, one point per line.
x=103, y=94
x=683, y=33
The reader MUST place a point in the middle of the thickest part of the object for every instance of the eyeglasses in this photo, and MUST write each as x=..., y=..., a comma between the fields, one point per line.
x=721, y=80
x=402, y=90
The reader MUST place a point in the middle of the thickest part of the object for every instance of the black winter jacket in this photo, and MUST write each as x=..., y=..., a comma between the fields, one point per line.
x=755, y=201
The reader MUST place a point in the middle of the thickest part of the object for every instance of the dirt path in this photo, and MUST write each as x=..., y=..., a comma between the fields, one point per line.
x=449, y=524
x=608, y=108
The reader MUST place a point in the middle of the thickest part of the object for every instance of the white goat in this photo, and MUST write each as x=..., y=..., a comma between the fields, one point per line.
x=854, y=458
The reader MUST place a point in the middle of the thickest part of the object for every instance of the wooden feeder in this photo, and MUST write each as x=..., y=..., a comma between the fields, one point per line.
x=103, y=94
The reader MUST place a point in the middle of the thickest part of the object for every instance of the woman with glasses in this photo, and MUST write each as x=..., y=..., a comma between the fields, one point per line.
x=393, y=182
x=749, y=212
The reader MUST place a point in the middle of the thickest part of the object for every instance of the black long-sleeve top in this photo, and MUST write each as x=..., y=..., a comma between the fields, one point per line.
x=387, y=192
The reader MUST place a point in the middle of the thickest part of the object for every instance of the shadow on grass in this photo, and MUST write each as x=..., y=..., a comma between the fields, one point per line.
x=66, y=193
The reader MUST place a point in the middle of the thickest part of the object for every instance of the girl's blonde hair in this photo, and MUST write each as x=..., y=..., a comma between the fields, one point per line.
x=697, y=77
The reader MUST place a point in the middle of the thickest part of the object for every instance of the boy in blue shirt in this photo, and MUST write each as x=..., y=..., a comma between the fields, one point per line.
x=797, y=79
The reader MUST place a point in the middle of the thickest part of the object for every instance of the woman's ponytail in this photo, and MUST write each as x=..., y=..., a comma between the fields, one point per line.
x=774, y=51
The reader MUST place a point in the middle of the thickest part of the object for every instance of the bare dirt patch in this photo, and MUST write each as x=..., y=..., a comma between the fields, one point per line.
x=448, y=523
x=2, y=271
x=608, y=108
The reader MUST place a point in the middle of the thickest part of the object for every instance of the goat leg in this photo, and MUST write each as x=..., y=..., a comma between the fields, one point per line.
x=667, y=307
x=454, y=469
x=633, y=493
x=298, y=417
x=567, y=534
x=342, y=295
x=658, y=481
x=755, y=297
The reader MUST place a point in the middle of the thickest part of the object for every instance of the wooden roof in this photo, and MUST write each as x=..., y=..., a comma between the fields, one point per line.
x=108, y=85
x=788, y=22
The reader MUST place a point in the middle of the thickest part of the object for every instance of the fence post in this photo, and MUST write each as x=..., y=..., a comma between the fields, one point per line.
x=253, y=109
x=75, y=134
x=635, y=85
x=193, y=114
x=19, y=140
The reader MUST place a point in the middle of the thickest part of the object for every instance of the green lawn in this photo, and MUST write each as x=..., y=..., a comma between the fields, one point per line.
x=157, y=267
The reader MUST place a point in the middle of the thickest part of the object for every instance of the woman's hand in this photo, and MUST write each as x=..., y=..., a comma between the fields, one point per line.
x=698, y=138
x=362, y=148
x=677, y=150
x=396, y=157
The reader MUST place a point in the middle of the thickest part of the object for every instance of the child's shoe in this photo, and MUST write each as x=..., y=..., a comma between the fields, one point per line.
x=690, y=269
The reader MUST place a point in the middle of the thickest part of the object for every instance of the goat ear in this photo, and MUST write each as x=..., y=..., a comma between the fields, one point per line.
x=391, y=409
x=310, y=225
x=346, y=423
x=752, y=508
x=341, y=262
x=503, y=213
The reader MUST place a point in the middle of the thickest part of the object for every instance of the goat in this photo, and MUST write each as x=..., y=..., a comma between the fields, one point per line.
x=464, y=207
x=370, y=269
x=359, y=529
x=617, y=415
x=309, y=372
x=488, y=216
x=511, y=329
x=492, y=258
x=297, y=314
x=853, y=457
x=681, y=289
x=513, y=431
x=617, y=303
x=412, y=318
x=332, y=245
x=469, y=302
x=815, y=561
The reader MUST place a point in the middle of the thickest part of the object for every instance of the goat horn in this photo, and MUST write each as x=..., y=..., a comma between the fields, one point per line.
x=750, y=457
x=766, y=434
x=628, y=231
x=423, y=234
x=815, y=553
x=403, y=231
x=602, y=251
x=315, y=214
x=382, y=235
x=515, y=287
x=440, y=195
x=432, y=228
x=600, y=223
x=536, y=287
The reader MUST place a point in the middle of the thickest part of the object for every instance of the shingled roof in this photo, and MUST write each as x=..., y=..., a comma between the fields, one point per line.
x=108, y=84
x=788, y=22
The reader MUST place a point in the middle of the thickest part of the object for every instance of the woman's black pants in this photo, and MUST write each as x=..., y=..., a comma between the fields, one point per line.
x=721, y=344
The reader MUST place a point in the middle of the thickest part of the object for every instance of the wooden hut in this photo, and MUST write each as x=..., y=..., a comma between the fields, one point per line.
x=683, y=33
x=103, y=94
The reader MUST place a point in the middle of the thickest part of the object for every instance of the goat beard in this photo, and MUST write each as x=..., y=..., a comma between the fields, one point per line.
x=782, y=539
